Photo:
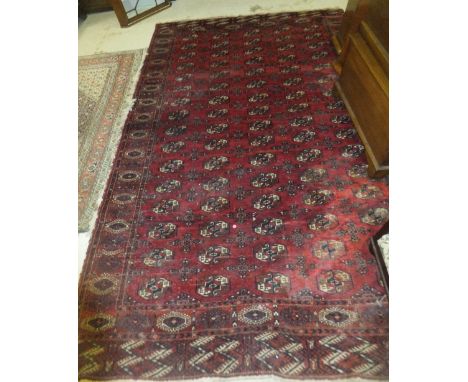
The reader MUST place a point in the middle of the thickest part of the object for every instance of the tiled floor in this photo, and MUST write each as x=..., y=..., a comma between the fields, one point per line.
x=101, y=33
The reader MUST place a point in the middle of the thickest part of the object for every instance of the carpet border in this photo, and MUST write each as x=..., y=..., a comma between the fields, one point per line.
x=94, y=231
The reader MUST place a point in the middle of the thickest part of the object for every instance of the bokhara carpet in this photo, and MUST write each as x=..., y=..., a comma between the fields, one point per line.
x=232, y=238
x=105, y=86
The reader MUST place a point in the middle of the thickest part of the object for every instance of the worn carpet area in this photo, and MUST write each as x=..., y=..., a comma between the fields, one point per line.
x=233, y=234
x=105, y=87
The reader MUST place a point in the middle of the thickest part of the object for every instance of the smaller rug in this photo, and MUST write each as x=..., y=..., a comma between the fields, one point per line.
x=105, y=88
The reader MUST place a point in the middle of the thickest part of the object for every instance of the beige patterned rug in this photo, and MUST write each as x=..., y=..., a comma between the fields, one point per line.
x=105, y=88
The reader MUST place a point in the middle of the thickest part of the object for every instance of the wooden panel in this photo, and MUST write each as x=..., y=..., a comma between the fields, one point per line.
x=93, y=6
x=363, y=85
x=377, y=18
x=377, y=48
x=373, y=17
x=364, y=70
x=355, y=12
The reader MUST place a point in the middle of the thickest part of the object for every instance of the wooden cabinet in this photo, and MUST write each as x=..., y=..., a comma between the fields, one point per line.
x=362, y=43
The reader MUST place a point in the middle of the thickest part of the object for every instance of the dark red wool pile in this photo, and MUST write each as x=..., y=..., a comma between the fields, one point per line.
x=232, y=238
